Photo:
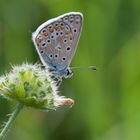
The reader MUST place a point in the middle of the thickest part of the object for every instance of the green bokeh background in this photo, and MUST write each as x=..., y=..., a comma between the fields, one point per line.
x=107, y=100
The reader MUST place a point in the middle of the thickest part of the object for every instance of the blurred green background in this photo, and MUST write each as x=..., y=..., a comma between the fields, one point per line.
x=107, y=100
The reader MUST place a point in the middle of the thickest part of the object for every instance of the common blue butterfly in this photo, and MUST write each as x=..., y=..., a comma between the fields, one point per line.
x=56, y=42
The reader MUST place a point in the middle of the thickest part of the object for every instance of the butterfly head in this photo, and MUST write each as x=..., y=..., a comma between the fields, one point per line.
x=65, y=73
x=68, y=73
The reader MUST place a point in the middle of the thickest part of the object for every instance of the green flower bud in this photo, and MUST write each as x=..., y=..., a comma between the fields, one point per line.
x=32, y=86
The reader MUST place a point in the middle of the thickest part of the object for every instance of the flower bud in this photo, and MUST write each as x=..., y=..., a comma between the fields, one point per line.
x=32, y=86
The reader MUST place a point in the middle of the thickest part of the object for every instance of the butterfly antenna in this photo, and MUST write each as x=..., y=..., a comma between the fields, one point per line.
x=88, y=67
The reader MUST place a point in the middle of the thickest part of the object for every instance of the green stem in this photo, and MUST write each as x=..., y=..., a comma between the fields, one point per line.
x=10, y=121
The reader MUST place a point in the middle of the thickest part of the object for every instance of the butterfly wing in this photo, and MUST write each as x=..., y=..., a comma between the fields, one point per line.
x=56, y=40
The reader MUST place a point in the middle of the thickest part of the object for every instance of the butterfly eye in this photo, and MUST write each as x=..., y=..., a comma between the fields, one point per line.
x=68, y=72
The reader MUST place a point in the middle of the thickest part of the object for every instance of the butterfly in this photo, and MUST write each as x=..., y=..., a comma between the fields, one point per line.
x=56, y=41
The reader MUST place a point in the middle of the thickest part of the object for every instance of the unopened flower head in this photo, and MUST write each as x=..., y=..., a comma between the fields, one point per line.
x=31, y=86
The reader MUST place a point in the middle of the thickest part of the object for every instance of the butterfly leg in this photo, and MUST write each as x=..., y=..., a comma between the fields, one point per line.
x=59, y=81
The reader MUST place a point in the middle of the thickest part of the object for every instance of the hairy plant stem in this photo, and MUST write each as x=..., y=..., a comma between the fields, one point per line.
x=10, y=121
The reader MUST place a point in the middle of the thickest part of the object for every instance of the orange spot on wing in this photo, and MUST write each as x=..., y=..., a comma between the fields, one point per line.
x=45, y=33
x=56, y=25
x=62, y=25
x=51, y=30
x=38, y=39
